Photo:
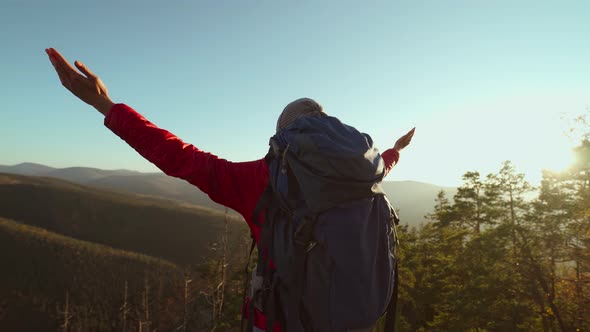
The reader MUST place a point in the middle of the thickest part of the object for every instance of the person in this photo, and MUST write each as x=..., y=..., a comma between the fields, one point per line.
x=237, y=185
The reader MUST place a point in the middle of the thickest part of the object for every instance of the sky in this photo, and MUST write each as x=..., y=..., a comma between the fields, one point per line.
x=482, y=81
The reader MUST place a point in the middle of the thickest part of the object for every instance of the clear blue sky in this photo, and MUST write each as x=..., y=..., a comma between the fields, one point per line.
x=483, y=81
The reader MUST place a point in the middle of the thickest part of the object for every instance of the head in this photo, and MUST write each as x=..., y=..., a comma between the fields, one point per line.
x=298, y=108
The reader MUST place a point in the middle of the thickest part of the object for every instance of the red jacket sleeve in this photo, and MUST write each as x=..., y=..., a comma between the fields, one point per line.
x=235, y=185
x=391, y=158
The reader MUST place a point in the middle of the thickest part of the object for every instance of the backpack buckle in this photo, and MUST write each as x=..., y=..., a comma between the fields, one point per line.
x=306, y=245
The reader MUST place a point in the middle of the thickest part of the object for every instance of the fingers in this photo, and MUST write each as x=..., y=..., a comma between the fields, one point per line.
x=53, y=61
x=57, y=59
x=60, y=73
x=62, y=67
x=405, y=140
x=407, y=137
x=85, y=70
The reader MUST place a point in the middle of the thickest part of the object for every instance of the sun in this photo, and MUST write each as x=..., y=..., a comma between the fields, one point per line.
x=562, y=157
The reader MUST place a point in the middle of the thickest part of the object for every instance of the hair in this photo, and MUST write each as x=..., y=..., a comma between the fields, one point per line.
x=296, y=109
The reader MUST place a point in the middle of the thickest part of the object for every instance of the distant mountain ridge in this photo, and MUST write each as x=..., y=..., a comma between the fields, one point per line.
x=154, y=226
x=414, y=199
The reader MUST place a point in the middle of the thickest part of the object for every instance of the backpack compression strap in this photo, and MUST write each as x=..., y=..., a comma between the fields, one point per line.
x=392, y=307
x=245, y=289
x=303, y=243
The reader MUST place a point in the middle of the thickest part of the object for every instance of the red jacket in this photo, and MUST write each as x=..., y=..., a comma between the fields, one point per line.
x=235, y=185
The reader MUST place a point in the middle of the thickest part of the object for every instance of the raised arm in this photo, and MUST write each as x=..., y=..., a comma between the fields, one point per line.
x=391, y=156
x=235, y=185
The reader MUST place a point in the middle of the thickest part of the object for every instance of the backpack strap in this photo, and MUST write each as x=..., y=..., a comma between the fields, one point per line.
x=392, y=307
x=268, y=295
x=303, y=243
x=245, y=289
x=264, y=203
x=271, y=306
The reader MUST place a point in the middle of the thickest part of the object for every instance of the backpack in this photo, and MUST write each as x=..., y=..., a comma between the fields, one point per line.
x=327, y=248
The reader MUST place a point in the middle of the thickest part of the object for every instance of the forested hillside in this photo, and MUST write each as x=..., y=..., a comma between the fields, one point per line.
x=493, y=261
x=70, y=250
x=49, y=280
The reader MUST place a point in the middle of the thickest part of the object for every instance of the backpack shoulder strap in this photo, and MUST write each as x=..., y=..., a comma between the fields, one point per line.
x=392, y=307
x=245, y=290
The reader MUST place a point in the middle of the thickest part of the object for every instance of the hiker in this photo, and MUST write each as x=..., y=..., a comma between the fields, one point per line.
x=244, y=187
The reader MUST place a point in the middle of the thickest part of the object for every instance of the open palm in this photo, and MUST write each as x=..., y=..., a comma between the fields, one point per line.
x=405, y=140
x=84, y=84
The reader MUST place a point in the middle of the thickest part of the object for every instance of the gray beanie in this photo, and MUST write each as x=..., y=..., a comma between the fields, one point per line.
x=296, y=109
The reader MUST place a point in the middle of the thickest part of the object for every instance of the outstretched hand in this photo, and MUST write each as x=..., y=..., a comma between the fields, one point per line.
x=405, y=140
x=88, y=87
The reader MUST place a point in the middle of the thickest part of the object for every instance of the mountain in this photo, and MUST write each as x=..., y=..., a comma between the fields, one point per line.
x=157, y=184
x=157, y=227
x=85, y=174
x=27, y=169
x=150, y=184
x=413, y=199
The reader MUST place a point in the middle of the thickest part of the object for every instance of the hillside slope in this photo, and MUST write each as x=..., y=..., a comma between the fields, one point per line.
x=39, y=267
x=156, y=227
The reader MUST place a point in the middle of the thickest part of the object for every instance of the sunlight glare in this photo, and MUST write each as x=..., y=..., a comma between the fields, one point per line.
x=530, y=132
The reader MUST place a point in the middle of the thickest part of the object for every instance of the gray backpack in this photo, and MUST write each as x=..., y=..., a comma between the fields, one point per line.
x=327, y=249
